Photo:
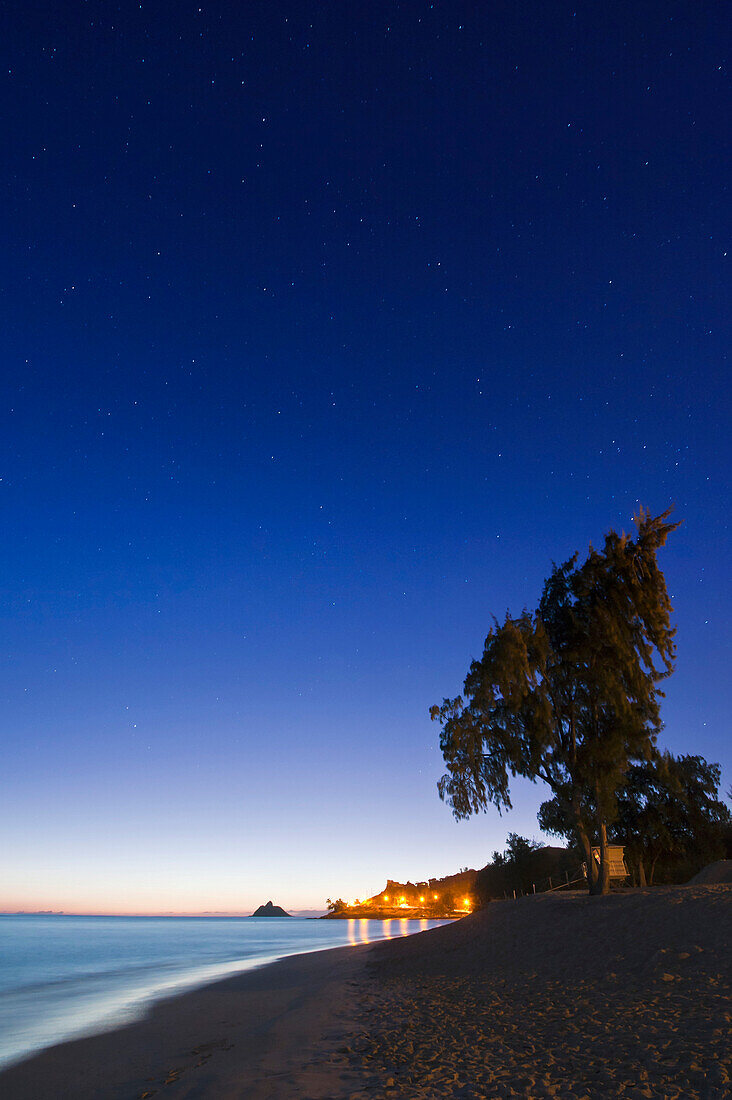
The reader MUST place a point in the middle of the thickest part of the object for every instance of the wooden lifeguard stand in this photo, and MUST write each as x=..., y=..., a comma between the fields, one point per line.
x=616, y=861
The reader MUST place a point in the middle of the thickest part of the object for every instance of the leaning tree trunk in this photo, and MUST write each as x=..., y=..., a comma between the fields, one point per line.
x=603, y=884
x=653, y=870
x=586, y=849
x=641, y=872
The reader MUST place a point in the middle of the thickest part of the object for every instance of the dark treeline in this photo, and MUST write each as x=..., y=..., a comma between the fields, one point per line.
x=669, y=819
x=525, y=866
x=668, y=815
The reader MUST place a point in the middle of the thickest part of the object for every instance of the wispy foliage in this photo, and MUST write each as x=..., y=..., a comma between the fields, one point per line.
x=570, y=693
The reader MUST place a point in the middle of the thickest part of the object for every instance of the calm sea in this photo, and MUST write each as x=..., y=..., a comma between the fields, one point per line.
x=62, y=977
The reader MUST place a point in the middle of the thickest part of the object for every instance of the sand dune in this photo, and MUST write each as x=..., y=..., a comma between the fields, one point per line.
x=721, y=871
x=564, y=996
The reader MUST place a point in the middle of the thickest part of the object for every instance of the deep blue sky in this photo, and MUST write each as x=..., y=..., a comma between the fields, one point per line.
x=325, y=328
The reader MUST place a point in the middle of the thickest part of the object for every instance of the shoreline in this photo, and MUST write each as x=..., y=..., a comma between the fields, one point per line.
x=251, y=1026
x=549, y=995
x=411, y=913
x=36, y=1014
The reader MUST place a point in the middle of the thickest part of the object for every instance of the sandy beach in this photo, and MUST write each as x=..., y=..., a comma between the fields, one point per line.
x=553, y=995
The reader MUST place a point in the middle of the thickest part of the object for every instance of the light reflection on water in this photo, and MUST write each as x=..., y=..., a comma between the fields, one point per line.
x=367, y=930
x=63, y=977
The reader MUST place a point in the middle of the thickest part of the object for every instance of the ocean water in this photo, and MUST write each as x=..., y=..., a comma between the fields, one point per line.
x=63, y=977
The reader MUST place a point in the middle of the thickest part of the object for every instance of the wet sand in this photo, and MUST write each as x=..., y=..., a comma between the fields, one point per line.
x=559, y=995
x=253, y=1035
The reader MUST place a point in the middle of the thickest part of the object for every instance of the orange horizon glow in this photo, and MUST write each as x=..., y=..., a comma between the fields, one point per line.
x=161, y=894
x=90, y=906
x=9, y=911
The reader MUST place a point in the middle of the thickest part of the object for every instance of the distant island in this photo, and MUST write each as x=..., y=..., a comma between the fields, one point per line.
x=270, y=910
x=32, y=913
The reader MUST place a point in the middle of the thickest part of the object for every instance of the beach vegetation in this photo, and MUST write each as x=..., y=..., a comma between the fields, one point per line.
x=569, y=693
x=524, y=867
x=669, y=818
x=518, y=850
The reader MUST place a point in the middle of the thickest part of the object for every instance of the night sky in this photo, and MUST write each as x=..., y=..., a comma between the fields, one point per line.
x=326, y=328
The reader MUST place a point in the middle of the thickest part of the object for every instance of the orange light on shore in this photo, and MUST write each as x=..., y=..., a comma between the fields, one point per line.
x=386, y=897
x=421, y=899
x=435, y=896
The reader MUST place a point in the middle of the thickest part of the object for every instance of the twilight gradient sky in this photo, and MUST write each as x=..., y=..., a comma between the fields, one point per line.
x=325, y=328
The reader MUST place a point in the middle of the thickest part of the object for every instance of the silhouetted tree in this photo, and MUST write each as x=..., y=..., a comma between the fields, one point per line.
x=516, y=850
x=519, y=847
x=667, y=810
x=568, y=694
x=523, y=865
x=555, y=817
